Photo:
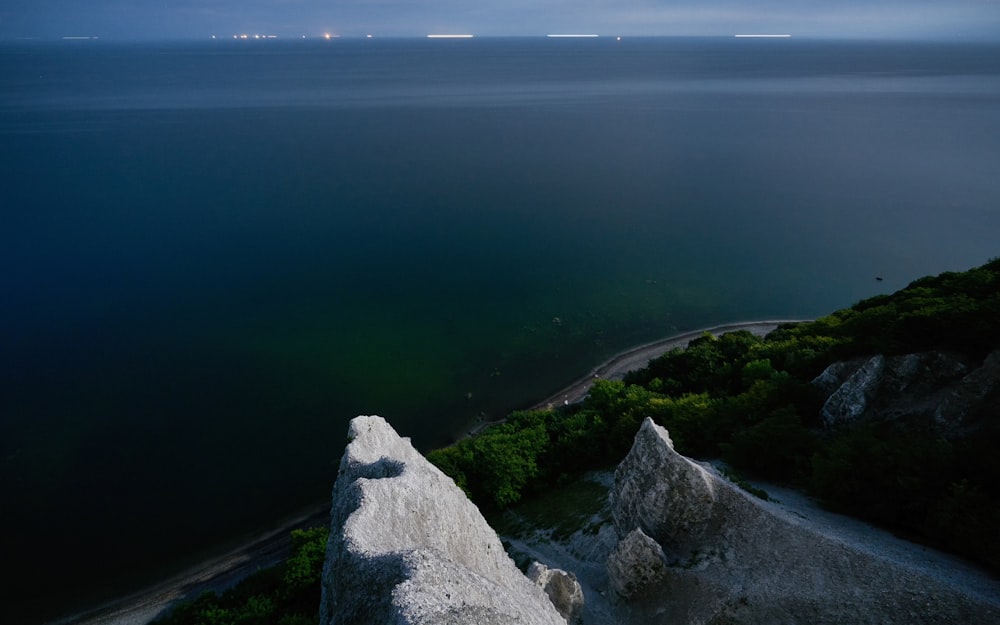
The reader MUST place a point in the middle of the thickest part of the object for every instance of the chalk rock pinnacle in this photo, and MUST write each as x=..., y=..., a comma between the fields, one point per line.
x=730, y=558
x=407, y=546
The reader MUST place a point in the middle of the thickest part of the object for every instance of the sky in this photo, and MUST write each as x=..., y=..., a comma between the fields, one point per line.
x=184, y=19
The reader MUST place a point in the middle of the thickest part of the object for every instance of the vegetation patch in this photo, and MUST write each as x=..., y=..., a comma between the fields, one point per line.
x=563, y=511
x=737, y=479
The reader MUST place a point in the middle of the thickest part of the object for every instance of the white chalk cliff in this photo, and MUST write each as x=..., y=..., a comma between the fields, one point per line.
x=695, y=549
x=944, y=390
x=407, y=546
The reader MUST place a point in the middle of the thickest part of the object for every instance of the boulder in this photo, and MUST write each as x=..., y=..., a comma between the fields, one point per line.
x=563, y=590
x=637, y=566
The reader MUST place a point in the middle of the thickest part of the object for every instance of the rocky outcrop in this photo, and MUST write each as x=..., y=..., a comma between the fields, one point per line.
x=941, y=389
x=976, y=395
x=407, y=546
x=694, y=549
x=851, y=398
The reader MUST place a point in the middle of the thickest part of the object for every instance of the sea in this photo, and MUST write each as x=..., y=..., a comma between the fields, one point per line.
x=214, y=254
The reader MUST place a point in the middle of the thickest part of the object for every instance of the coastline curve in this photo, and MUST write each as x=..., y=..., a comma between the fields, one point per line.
x=638, y=357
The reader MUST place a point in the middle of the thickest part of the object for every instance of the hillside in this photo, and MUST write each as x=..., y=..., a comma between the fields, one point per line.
x=753, y=402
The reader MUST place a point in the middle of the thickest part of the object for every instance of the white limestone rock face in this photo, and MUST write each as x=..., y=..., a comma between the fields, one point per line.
x=850, y=401
x=673, y=504
x=836, y=374
x=935, y=388
x=728, y=557
x=408, y=547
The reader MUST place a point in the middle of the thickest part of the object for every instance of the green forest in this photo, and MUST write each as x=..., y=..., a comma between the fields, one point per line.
x=749, y=401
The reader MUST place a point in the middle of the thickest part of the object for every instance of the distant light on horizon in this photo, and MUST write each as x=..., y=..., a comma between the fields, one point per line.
x=253, y=36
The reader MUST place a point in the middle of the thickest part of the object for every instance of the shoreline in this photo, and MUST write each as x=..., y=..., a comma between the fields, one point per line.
x=638, y=357
x=217, y=574
x=631, y=359
x=270, y=547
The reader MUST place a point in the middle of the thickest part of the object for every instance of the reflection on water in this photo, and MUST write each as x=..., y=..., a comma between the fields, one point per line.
x=484, y=72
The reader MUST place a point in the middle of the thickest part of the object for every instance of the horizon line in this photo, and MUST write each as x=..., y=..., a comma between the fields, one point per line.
x=9, y=39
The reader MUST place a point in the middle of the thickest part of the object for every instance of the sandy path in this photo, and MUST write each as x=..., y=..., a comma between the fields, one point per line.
x=799, y=509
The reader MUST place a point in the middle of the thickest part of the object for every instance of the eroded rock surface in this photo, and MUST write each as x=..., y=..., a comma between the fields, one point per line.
x=637, y=567
x=407, y=546
x=976, y=395
x=730, y=558
x=941, y=389
x=851, y=399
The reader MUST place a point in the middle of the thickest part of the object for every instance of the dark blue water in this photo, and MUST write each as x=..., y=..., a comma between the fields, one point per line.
x=215, y=255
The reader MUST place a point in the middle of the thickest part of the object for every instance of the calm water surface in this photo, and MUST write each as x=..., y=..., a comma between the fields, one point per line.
x=215, y=255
